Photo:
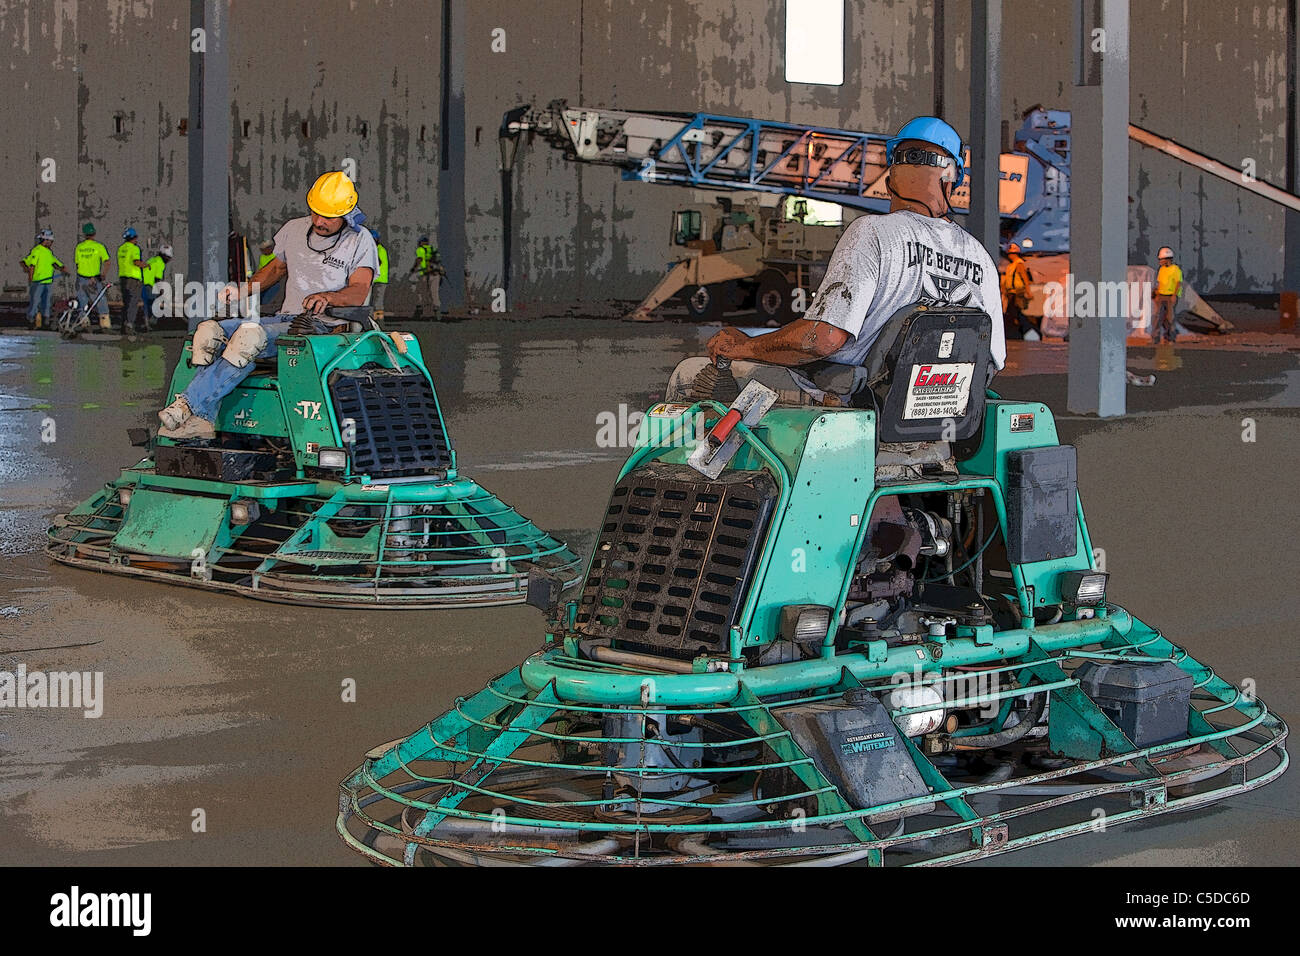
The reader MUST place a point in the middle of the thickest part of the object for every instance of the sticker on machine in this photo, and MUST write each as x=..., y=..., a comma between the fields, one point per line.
x=668, y=410
x=939, y=391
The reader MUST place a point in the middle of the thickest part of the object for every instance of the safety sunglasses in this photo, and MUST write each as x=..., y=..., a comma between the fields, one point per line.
x=918, y=156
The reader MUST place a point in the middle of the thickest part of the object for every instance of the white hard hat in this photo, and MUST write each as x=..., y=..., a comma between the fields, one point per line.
x=1165, y=253
x=165, y=251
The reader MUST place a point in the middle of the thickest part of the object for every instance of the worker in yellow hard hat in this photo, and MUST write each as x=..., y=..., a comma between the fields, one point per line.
x=324, y=259
x=1015, y=295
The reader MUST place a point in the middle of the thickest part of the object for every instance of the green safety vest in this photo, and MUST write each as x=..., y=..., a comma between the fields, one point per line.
x=424, y=257
x=382, y=275
x=153, y=269
x=263, y=259
x=90, y=257
x=43, y=263
x=127, y=253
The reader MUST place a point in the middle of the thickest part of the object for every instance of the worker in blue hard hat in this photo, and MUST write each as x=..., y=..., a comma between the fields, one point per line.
x=130, y=279
x=880, y=264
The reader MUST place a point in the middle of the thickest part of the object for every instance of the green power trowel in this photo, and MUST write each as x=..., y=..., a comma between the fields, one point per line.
x=825, y=635
x=331, y=482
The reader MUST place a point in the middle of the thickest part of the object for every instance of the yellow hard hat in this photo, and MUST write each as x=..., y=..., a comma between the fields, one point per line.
x=332, y=195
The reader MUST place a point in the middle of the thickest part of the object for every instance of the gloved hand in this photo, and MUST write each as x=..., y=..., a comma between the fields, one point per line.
x=303, y=324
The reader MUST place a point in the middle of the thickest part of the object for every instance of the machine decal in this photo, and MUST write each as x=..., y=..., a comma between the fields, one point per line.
x=936, y=391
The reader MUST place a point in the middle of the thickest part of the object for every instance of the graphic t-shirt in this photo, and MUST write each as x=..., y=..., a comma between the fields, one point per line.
x=883, y=263
x=324, y=263
x=91, y=256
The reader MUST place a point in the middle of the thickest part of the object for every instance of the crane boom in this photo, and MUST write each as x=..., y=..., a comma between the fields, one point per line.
x=711, y=151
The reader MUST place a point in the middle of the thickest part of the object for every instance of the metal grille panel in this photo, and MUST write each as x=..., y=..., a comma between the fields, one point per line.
x=399, y=429
x=674, y=557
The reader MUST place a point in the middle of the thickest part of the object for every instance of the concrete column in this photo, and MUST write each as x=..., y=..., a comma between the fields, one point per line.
x=1099, y=205
x=209, y=146
x=451, y=169
x=985, y=136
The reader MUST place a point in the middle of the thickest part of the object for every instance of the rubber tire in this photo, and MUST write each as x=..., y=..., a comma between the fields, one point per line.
x=707, y=303
x=773, y=297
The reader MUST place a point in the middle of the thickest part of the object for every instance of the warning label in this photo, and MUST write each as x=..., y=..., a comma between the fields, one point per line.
x=939, y=391
x=668, y=410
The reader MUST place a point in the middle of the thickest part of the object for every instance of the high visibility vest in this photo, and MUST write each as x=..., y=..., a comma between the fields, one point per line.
x=424, y=257
x=1015, y=281
x=264, y=258
x=382, y=276
x=127, y=253
x=43, y=263
x=90, y=257
x=153, y=270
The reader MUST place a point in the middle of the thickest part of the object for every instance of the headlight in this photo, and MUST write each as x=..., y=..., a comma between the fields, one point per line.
x=124, y=496
x=805, y=622
x=244, y=511
x=335, y=458
x=1084, y=587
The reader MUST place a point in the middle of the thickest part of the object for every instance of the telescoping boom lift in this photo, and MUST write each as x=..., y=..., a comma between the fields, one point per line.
x=760, y=256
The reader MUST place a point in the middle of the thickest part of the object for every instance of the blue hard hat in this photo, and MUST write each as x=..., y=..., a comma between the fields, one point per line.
x=129, y=233
x=374, y=234
x=932, y=130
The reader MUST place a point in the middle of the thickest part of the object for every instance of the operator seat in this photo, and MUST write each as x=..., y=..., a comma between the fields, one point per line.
x=925, y=376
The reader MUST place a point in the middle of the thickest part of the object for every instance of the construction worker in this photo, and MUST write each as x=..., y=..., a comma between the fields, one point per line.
x=90, y=256
x=154, y=268
x=380, y=285
x=130, y=277
x=40, y=264
x=880, y=265
x=324, y=259
x=427, y=273
x=1015, y=296
x=1169, y=286
x=267, y=297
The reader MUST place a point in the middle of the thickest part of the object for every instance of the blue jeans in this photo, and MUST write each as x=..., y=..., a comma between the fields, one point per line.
x=214, y=382
x=87, y=288
x=39, y=295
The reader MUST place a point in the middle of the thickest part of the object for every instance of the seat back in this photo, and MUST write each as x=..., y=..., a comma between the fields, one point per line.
x=927, y=370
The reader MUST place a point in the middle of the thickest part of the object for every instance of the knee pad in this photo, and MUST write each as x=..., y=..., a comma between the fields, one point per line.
x=208, y=340
x=245, y=344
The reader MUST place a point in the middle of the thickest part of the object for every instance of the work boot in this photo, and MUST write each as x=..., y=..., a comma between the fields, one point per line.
x=175, y=413
x=192, y=427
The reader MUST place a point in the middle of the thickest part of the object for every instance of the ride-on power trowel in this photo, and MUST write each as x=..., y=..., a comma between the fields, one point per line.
x=332, y=481
x=826, y=634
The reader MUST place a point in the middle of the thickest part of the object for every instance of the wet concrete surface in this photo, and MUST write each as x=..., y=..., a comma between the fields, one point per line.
x=235, y=706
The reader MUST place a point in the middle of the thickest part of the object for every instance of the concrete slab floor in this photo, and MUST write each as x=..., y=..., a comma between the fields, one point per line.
x=234, y=706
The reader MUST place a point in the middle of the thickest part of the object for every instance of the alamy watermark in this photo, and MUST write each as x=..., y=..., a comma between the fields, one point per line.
x=1083, y=299
x=78, y=690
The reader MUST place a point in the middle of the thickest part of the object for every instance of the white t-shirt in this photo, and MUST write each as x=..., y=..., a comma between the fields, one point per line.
x=883, y=263
x=324, y=264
